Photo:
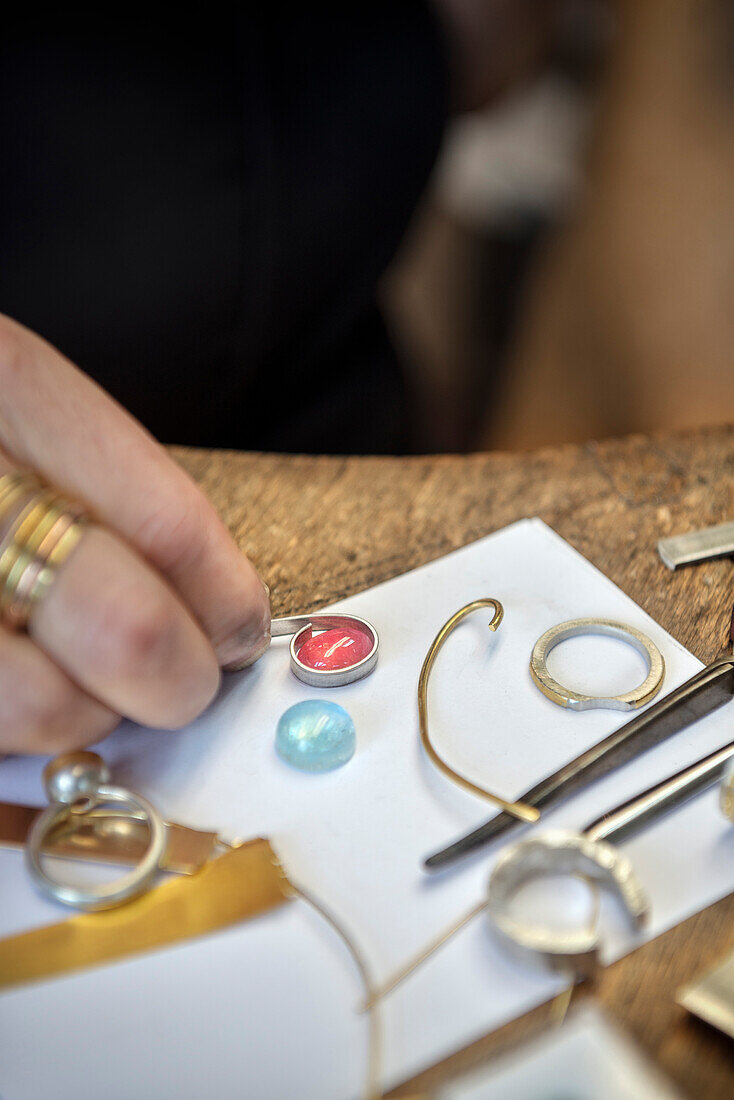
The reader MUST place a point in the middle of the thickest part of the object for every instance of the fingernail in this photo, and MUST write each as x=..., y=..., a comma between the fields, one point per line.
x=245, y=662
x=249, y=644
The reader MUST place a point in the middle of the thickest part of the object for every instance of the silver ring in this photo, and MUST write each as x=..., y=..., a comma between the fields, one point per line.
x=302, y=627
x=561, y=851
x=82, y=777
x=576, y=700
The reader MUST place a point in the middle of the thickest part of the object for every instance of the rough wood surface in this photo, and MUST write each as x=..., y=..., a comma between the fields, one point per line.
x=320, y=529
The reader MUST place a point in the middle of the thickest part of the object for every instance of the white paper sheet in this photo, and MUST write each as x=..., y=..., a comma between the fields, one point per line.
x=266, y=1010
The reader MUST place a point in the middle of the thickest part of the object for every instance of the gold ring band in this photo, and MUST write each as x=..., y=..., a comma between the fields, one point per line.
x=23, y=524
x=39, y=529
x=39, y=544
x=22, y=591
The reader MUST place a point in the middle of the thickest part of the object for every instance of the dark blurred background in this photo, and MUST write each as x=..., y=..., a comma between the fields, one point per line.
x=204, y=215
x=570, y=272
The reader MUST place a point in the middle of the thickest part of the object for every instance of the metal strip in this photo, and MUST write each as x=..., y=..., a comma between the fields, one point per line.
x=240, y=884
x=696, y=546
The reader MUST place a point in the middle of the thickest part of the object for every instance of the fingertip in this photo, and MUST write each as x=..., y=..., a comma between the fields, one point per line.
x=247, y=643
x=238, y=664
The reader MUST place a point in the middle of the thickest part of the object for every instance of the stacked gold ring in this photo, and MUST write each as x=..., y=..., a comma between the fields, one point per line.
x=39, y=528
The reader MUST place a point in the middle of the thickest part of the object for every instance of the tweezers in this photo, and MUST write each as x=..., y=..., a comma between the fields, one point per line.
x=705, y=692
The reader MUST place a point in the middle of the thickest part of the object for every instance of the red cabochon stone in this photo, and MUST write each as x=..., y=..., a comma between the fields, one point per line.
x=336, y=648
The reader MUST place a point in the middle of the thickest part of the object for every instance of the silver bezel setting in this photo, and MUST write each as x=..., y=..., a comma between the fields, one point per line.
x=302, y=628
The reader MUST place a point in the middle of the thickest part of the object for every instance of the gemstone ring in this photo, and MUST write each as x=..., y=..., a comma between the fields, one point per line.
x=77, y=782
x=329, y=650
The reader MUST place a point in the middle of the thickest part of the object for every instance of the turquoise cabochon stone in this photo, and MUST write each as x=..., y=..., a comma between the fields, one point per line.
x=315, y=736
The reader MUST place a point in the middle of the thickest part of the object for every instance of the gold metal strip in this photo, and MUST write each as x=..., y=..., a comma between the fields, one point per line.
x=237, y=885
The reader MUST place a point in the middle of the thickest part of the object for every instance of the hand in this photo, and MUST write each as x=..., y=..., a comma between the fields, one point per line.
x=156, y=597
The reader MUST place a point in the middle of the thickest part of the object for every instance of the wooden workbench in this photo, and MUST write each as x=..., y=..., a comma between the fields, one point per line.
x=320, y=529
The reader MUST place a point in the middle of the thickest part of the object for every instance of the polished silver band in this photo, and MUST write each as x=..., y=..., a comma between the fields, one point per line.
x=576, y=700
x=105, y=895
x=302, y=627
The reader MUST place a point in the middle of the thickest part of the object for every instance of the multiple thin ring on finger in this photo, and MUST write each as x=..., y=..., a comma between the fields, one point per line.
x=39, y=529
x=89, y=631
x=156, y=597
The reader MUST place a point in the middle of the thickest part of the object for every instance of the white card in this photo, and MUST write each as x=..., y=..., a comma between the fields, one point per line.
x=267, y=1009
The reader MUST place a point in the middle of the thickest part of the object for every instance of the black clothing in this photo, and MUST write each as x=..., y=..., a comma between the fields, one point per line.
x=197, y=214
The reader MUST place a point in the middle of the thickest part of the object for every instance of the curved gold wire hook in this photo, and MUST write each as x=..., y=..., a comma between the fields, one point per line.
x=520, y=810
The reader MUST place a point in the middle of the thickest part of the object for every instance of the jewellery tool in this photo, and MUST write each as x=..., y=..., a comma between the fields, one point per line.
x=704, y=545
x=705, y=692
x=589, y=855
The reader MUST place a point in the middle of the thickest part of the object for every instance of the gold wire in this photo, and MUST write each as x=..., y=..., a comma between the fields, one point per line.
x=420, y=958
x=373, y=1089
x=520, y=810
x=559, y=1004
